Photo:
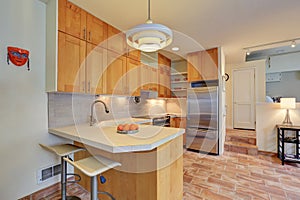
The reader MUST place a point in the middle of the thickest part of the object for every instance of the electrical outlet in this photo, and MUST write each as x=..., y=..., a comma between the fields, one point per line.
x=48, y=172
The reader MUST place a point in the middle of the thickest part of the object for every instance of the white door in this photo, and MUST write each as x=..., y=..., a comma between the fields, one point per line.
x=244, y=98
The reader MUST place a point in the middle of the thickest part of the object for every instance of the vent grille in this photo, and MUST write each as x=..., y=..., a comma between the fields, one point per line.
x=48, y=172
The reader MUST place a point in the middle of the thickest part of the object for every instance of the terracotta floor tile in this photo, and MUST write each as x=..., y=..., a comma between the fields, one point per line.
x=230, y=176
x=207, y=194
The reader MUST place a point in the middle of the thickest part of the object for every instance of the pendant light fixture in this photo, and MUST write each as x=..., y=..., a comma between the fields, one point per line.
x=149, y=37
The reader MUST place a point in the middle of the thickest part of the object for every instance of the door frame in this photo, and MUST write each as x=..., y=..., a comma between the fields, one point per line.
x=254, y=98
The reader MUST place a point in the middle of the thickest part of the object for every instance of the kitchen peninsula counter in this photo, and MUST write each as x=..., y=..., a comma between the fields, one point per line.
x=152, y=162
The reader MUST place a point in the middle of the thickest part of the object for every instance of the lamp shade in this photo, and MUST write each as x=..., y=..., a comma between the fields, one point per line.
x=288, y=103
x=149, y=37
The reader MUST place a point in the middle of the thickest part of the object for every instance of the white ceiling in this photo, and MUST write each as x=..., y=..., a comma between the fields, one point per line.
x=232, y=24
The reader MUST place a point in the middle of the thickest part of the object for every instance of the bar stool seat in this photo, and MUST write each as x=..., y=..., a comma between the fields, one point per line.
x=64, y=150
x=92, y=167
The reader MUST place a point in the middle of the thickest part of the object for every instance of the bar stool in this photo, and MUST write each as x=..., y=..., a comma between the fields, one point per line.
x=64, y=150
x=92, y=167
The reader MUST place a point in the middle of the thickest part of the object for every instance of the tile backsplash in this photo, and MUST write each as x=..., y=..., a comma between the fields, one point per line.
x=68, y=108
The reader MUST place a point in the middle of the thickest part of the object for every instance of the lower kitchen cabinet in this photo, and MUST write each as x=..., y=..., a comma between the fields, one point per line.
x=179, y=122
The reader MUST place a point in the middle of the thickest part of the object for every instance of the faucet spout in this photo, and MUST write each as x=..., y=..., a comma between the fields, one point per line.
x=92, y=120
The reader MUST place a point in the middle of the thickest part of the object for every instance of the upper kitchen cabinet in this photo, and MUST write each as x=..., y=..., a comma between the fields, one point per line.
x=71, y=65
x=71, y=19
x=133, y=53
x=95, y=63
x=164, y=83
x=133, y=72
x=114, y=74
x=116, y=40
x=203, y=65
x=96, y=30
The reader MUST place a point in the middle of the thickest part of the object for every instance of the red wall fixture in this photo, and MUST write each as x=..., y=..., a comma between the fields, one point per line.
x=18, y=56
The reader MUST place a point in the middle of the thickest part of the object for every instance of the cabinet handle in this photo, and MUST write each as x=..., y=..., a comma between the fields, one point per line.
x=90, y=36
x=83, y=85
x=84, y=34
x=89, y=86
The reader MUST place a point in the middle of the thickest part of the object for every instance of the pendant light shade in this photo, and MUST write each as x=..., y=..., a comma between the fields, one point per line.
x=149, y=37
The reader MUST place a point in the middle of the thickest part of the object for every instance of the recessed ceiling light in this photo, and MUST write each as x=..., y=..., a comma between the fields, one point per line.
x=175, y=48
x=248, y=52
x=293, y=44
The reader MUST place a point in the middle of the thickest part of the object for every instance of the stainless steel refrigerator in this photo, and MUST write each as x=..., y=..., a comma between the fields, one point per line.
x=202, y=132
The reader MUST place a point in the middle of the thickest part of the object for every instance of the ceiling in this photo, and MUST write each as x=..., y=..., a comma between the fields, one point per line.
x=232, y=24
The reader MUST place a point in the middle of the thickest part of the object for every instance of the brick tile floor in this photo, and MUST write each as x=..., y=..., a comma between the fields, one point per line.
x=230, y=176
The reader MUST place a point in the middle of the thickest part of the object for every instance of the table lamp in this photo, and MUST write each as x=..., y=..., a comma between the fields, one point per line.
x=287, y=103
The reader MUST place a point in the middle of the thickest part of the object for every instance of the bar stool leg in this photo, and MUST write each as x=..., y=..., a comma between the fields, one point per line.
x=63, y=179
x=94, y=188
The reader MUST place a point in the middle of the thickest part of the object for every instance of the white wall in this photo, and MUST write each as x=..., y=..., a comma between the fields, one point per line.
x=260, y=85
x=267, y=116
x=23, y=100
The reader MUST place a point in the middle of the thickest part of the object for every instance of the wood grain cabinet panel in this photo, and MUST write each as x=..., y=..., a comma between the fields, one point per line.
x=96, y=62
x=209, y=67
x=71, y=19
x=71, y=55
x=114, y=74
x=134, y=54
x=133, y=77
x=179, y=122
x=96, y=30
x=116, y=40
x=203, y=65
x=193, y=66
x=164, y=83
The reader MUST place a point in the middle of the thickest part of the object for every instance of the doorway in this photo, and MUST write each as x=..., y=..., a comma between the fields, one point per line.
x=244, y=98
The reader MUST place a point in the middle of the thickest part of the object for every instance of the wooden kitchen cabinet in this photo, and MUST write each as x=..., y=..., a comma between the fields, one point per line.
x=71, y=65
x=133, y=77
x=71, y=19
x=96, y=30
x=179, y=122
x=96, y=61
x=193, y=66
x=203, y=65
x=164, y=83
x=114, y=75
x=116, y=40
x=133, y=54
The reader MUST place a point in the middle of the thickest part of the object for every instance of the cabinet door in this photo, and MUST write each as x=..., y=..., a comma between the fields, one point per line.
x=154, y=79
x=71, y=55
x=116, y=40
x=209, y=64
x=179, y=122
x=96, y=30
x=133, y=77
x=96, y=61
x=164, y=64
x=134, y=54
x=114, y=75
x=193, y=66
x=145, y=77
x=71, y=19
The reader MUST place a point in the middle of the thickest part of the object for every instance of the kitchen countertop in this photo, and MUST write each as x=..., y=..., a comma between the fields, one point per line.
x=104, y=136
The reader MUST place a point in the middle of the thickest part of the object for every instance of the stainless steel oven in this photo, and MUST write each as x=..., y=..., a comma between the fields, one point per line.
x=157, y=120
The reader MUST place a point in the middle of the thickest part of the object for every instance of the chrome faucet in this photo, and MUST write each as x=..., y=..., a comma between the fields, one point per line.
x=92, y=119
